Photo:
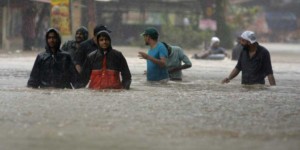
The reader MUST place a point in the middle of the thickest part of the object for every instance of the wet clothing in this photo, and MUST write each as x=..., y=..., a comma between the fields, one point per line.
x=103, y=69
x=70, y=47
x=84, y=32
x=175, y=59
x=236, y=51
x=155, y=72
x=114, y=61
x=255, y=69
x=217, y=50
x=85, y=48
x=53, y=69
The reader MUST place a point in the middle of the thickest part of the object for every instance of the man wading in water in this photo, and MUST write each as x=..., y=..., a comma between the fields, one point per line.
x=254, y=62
x=53, y=68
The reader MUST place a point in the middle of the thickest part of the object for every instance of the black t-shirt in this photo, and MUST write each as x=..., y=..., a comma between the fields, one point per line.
x=255, y=69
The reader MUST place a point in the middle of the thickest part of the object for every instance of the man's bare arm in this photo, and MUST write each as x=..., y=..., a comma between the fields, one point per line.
x=271, y=80
x=232, y=75
x=161, y=62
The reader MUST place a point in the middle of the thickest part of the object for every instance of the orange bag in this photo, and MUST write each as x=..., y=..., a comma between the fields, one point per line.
x=105, y=79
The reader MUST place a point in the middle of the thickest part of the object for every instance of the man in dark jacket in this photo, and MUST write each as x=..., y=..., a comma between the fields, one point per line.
x=72, y=46
x=104, y=66
x=87, y=47
x=53, y=68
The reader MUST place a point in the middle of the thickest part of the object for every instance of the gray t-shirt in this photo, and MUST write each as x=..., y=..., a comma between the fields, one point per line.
x=175, y=59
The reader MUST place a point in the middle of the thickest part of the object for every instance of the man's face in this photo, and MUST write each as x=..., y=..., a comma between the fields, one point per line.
x=146, y=39
x=103, y=42
x=79, y=37
x=52, y=40
x=216, y=44
x=244, y=43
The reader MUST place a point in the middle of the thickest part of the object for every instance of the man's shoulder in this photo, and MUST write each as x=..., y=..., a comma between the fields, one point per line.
x=263, y=50
x=161, y=47
x=70, y=42
x=92, y=54
x=42, y=54
x=262, y=47
x=116, y=52
x=88, y=45
x=87, y=42
x=64, y=53
x=176, y=48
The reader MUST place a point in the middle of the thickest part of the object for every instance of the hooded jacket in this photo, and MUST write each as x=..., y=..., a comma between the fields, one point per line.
x=53, y=69
x=88, y=46
x=70, y=46
x=114, y=61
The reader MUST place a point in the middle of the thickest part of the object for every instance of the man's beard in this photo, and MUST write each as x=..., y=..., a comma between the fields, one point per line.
x=246, y=46
x=52, y=45
x=78, y=40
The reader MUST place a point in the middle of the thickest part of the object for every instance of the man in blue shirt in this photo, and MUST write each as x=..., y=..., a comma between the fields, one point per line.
x=156, y=57
x=254, y=62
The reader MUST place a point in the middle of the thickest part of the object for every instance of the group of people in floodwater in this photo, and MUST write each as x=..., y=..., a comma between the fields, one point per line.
x=95, y=64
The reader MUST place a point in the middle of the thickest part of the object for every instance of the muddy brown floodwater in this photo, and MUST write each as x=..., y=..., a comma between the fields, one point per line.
x=198, y=113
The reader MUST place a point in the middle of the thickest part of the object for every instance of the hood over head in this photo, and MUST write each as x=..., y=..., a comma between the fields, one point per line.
x=84, y=31
x=52, y=30
x=104, y=33
x=99, y=28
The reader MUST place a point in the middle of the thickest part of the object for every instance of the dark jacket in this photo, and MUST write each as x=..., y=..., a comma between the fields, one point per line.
x=114, y=61
x=70, y=46
x=84, y=49
x=53, y=69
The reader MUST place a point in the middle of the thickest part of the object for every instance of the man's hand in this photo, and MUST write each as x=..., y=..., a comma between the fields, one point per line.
x=226, y=80
x=143, y=55
x=161, y=62
x=78, y=68
x=172, y=70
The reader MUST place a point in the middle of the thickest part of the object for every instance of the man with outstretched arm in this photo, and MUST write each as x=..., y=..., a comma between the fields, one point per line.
x=156, y=57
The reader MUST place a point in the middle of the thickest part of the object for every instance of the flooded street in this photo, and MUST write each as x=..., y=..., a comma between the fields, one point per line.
x=198, y=113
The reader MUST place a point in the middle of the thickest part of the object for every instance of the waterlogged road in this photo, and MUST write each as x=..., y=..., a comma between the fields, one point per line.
x=198, y=113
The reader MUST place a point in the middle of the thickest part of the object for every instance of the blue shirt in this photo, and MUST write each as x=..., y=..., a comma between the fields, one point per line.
x=154, y=71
